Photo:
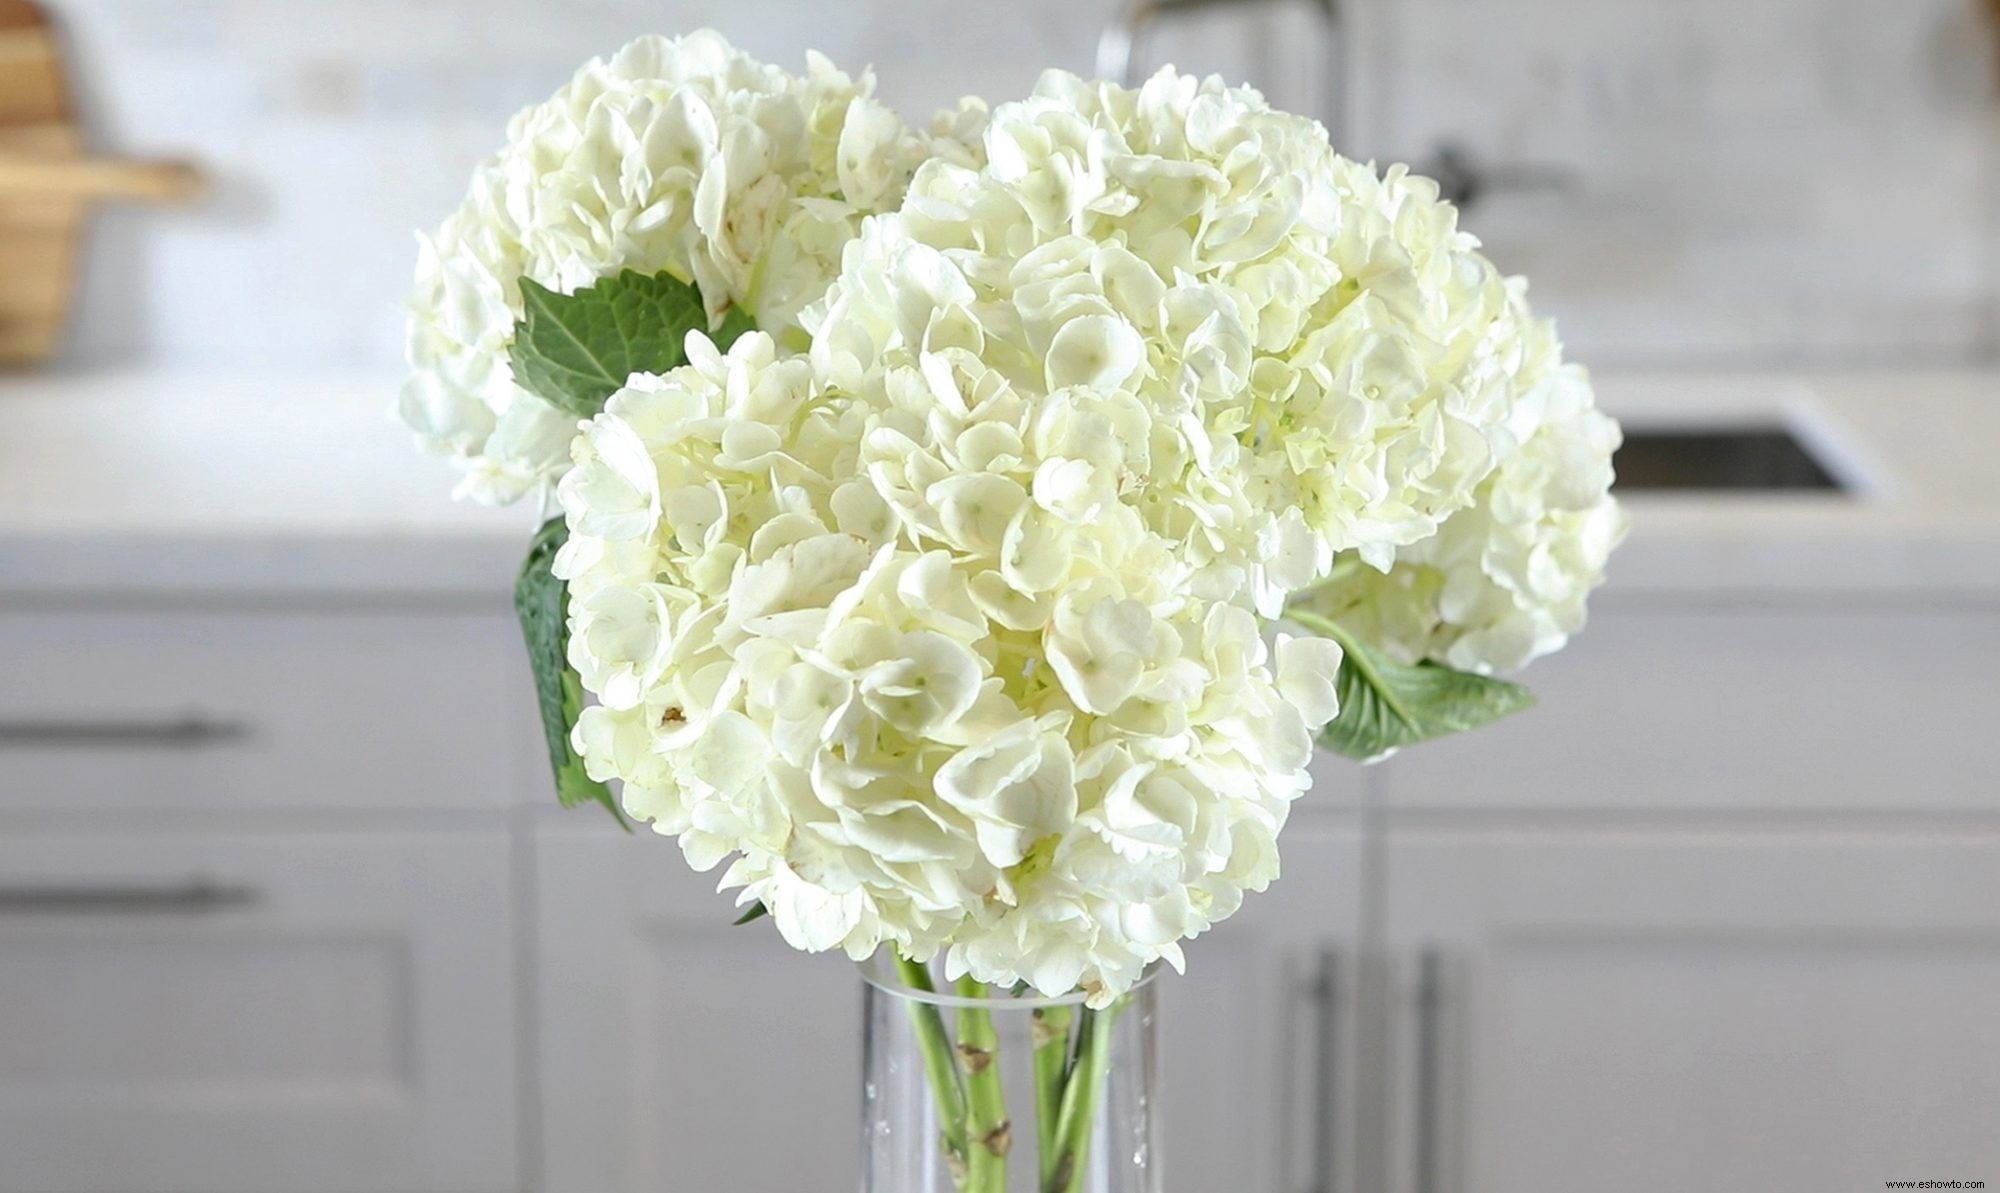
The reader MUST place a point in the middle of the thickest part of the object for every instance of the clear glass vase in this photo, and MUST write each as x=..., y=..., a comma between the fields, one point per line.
x=973, y=1090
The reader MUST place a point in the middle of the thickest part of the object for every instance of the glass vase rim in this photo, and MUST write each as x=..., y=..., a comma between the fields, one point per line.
x=879, y=972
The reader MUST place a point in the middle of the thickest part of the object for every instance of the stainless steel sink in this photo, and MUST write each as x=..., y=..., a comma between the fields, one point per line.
x=1707, y=459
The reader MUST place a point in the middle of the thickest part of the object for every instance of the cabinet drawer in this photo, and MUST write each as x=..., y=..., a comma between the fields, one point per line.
x=256, y=1015
x=199, y=709
x=1738, y=710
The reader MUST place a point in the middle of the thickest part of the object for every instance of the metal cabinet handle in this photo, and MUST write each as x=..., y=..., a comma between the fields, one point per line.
x=192, y=731
x=196, y=896
x=1429, y=1049
x=1324, y=990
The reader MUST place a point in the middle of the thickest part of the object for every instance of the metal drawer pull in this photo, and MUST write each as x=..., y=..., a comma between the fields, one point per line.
x=1430, y=999
x=196, y=896
x=1325, y=990
x=189, y=732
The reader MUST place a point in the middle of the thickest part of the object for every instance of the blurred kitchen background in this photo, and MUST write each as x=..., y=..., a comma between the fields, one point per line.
x=1689, y=182
x=283, y=906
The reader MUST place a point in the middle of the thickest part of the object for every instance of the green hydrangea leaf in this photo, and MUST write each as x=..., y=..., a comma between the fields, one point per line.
x=756, y=912
x=575, y=350
x=1386, y=705
x=542, y=603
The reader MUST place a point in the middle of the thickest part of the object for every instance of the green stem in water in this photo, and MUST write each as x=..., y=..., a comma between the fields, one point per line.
x=1076, y=1121
x=988, y=1132
x=1051, y=1039
x=935, y=1044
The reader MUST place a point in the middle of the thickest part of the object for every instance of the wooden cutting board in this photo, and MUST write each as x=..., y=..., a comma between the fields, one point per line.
x=47, y=185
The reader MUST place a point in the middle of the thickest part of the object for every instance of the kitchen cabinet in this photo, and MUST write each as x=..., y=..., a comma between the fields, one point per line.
x=1723, y=912
x=257, y=1013
x=678, y=1051
x=1258, y=1039
x=340, y=948
x=1661, y=1012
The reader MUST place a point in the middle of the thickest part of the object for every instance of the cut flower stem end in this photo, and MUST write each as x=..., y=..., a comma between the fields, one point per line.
x=1071, y=1065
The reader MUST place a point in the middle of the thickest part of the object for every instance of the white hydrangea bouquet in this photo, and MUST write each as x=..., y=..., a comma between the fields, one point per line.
x=967, y=532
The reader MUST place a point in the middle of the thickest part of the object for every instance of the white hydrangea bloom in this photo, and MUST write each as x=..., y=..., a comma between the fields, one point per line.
x=910, y=652
x=1327, y=360
x=1505, y=581
x=682, y=155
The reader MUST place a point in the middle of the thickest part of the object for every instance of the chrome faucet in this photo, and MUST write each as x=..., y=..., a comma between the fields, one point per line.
x=1462, y=178
x=1121, y=47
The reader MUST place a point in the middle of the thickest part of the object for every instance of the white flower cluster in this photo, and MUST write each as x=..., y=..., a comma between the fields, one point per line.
x=911, y=653
x=1503, y=582
x=934, y=607
x=679, y=155
x=1335, y=363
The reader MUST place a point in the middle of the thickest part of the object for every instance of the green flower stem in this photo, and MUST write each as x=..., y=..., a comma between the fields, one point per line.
x=988, y=1132
x=1327, y=627
x=1076, y=1121
x=935, y=1044
x=1051, y=1037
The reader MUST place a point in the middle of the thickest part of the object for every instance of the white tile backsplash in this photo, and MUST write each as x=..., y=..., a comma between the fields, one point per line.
x=1767, y=182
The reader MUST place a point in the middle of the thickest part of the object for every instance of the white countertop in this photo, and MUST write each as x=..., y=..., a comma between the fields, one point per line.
x=1919, y=453
x=214, y=481
x=126, y=482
